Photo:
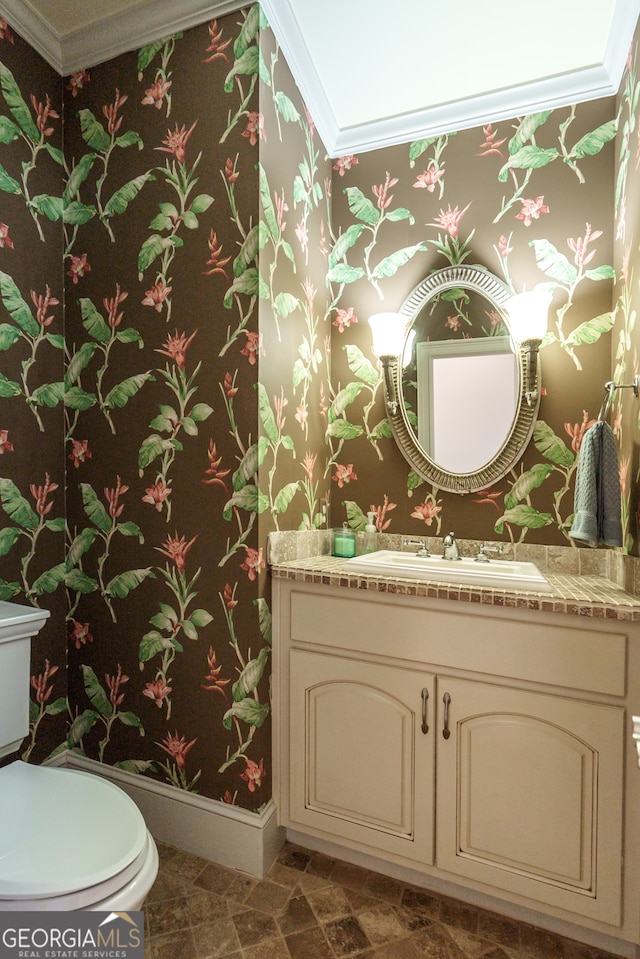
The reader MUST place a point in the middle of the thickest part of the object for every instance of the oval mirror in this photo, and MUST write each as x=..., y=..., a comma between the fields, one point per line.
x=461, y=420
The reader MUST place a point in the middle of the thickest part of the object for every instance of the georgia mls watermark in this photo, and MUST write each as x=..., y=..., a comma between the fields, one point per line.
x=71, y=935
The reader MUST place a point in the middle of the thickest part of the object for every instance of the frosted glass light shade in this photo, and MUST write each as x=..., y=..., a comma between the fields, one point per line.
x=388, y=333
x=528, y=314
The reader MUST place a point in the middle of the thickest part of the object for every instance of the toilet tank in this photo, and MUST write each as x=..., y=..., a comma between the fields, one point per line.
x=17, y=625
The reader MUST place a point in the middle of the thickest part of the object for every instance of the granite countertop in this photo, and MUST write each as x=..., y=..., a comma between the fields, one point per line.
x=593, y=596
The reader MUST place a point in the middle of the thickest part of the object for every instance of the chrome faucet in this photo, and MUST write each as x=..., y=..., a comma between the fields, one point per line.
x=450, y=550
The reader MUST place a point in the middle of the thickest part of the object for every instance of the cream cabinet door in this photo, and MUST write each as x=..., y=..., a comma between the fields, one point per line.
x=529, y=795
x=362, y=754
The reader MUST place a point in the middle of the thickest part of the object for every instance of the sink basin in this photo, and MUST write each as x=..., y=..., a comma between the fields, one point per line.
x=499, y=573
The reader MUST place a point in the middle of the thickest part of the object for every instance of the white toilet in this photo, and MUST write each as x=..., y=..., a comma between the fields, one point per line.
x=68, y=840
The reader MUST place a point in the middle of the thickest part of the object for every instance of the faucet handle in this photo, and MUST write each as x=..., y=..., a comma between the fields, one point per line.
x=420, y=543
x=484, y=549
x=482, y=555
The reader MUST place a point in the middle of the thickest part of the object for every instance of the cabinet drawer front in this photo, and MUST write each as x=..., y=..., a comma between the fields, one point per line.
x=558, y=655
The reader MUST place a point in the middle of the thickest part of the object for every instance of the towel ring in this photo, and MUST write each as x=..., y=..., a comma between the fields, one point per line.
x=610, y=387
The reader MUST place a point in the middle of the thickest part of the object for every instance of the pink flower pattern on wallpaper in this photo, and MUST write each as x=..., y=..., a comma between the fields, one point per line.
x=175, y=347
x=177, y=748
x=381, y=192
x=156, y=495
x=428, y=179
x=42, y=684
x=156, y=295
x=217, y=45
x=41, y=495
x=80, y=452
x=427, y=511
x=78, y=268
x=214, y=473
x=576, y=431
x=345, y=163
x=382, y=521
x=113, y=685
x=5, y=240
x=532, y=210
x=77, y=81
x=491, y=143
x=157, y=691
x=176, y=141
x=176, y=548
x=253, y=347
x=253, y=774
x=193, y=201
x=111, y=110
x=253, y=562
x=487, y=498
x=42, y=303
x=154, y=95
x=344, y=474
x=6, y=446
x=80, y=634
x=344, y=319
x=581, y=257
x=213, y=681
x=44, y=111
x=254, y=130
x=5, y=31
x=449, y=219
x=216, y=261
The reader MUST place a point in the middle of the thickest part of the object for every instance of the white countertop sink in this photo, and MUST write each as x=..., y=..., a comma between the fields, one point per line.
x=497, y=573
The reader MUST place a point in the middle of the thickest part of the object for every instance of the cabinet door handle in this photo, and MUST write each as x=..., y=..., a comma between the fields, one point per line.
x=446, y=732
x=425, y=724
x=636, y=734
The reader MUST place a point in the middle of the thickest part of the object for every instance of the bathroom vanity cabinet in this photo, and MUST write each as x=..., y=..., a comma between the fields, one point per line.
x=487, y=749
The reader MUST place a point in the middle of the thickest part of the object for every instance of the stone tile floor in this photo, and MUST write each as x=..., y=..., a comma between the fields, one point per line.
x=314, y=907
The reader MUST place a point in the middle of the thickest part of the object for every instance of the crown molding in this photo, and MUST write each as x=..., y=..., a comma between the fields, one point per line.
x=148, y=20
x=291, y=41
x=591, y=83
x=623, y=26
x=549, y=94
x=32, y=28
x=118, y=33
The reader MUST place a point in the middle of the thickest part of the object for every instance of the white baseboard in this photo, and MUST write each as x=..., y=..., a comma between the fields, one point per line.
x=221, y=833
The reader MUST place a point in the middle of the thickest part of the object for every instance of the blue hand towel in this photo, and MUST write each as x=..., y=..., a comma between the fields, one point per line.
x=597, y=494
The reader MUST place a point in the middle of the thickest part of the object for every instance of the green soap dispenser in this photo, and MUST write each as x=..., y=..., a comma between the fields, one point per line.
x=370, y=544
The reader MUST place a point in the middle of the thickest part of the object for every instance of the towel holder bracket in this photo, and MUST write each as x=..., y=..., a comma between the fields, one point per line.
x=610, y=388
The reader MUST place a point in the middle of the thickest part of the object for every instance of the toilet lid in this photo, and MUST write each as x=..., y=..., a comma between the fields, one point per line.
x=62, y=830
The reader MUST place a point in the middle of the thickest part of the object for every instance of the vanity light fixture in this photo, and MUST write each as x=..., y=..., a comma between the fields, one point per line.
x=528, y=314
x=388, y=331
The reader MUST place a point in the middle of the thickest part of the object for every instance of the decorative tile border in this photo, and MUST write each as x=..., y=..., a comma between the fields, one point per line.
x=582, y=585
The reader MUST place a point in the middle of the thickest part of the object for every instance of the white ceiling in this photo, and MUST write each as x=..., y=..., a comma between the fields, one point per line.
x=373, y=72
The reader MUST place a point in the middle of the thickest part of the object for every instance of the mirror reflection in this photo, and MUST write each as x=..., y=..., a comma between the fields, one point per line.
x=467, y=397
x=460, y=378
x=461, y=421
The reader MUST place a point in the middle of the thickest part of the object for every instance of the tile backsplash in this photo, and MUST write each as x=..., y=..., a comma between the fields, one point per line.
x=619, y=568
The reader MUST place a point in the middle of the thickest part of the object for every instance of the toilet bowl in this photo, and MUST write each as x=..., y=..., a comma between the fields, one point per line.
x=71, y=841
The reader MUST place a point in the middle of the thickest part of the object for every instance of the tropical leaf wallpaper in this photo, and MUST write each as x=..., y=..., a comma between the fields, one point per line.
x=185, y=279
x=526, y=200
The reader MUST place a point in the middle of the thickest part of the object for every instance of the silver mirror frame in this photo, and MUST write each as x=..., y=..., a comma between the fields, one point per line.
x=497, y=293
